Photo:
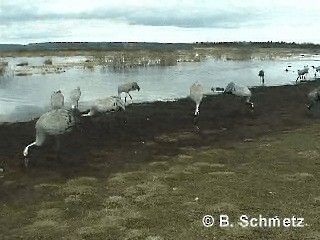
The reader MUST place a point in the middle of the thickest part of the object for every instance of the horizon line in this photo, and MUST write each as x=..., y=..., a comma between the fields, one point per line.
x=136, y=42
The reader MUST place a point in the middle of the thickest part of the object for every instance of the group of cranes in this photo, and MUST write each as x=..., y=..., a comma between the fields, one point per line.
x=197, y=93
x=57, y=121
x=61, y=120
x=57, y=98
x=303, y=72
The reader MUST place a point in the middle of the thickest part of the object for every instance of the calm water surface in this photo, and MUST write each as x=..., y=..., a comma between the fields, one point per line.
x=25, y=97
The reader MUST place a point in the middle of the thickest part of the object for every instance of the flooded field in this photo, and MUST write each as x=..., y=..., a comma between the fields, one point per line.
x=27, y=92
x=149, y=172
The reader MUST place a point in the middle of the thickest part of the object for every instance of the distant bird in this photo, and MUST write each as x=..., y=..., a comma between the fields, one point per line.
x=196, y=94
x=75, y=96
x=302, y=73
x=105, y=105
x=54, y=123
x=261, y=75
x=317, y=70
x=217, y=89
x=57, y=100
x=126, y=88
x=241, y=91
x=313, y=97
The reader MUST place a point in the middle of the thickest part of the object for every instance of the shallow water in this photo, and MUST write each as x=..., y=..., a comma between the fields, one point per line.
x=26, y=97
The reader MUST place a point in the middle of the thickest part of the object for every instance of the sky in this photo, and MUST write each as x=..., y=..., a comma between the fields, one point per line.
x=34, y=21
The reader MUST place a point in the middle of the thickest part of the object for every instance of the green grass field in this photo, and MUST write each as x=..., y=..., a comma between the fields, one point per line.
x=276, y=175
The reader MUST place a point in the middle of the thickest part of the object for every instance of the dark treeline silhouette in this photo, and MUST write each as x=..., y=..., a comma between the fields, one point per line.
x=61, y=46
x=268, y=44
x=49, y=46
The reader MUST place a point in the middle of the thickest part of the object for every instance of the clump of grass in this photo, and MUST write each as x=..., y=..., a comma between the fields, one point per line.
x=154, y=238
x=80, y=190
x=134, y=234
x=115, y=202
x=89, y=66
x=22, y=64
x=3, y=68
x=298, y=176
x=48, y=61
x=44, y=229
x=23, y=74
x=175, y=137
x=91, y=232
x=49, y=213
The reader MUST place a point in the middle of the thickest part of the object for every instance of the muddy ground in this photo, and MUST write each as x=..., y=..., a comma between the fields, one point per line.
x=35, y=203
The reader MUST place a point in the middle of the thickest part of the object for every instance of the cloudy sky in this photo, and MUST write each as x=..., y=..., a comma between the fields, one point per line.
x=29, y=21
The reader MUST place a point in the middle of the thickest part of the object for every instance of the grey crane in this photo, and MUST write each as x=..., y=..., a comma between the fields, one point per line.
x=126, y=88
x=54, y=123
x=105, y=105
x=302, y=73
x=75, y=96
x=57, y=100
x=261, y=75
x=317, y=70
x=313, y=97
x=241, y=91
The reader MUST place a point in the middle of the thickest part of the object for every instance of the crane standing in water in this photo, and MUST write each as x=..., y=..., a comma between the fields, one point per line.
x=261, y=75
x=75, y=96
x=126, y=88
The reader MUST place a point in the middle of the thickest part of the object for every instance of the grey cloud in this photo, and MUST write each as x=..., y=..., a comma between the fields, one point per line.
x=185, y=18
x=197, y=20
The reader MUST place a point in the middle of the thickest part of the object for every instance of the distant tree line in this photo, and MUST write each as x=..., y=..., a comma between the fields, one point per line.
x=268, y=44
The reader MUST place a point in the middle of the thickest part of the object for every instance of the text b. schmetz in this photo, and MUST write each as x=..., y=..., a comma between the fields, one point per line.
x=255, y=222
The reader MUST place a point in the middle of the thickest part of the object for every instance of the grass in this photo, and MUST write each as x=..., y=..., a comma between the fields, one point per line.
x=169, y=57
x=128, y=59
x=48, y=61
x=166, y=198
x=3, y=68
x=22, y=64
